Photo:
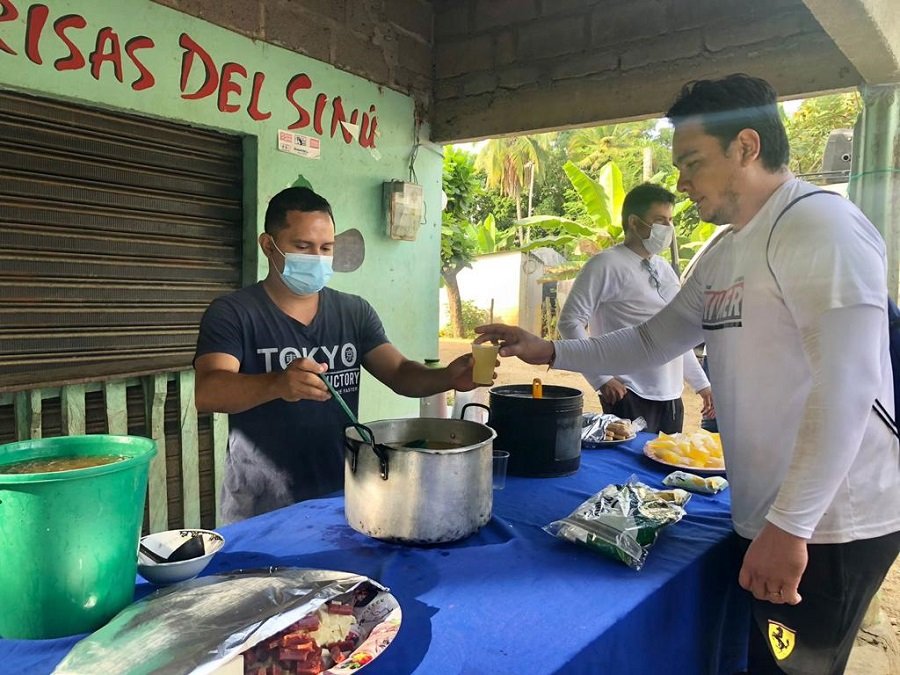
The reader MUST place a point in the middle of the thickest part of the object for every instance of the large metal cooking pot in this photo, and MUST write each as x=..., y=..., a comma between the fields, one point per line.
x=418, y=495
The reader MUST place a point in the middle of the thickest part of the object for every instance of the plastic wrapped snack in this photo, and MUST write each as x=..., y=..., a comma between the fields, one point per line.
x=622, y=521
x=695, y=483
x=601, y=429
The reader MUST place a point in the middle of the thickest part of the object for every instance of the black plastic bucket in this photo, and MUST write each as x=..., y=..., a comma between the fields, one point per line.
x=541, y=435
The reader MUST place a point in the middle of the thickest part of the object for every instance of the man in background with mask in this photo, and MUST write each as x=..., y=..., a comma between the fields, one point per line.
x=261, y=351
x=624, y=286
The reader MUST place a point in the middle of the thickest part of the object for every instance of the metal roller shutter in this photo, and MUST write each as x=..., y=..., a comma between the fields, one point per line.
x=115, y=234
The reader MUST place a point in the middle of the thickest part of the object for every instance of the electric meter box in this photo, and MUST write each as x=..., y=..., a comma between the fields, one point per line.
x=404, y=207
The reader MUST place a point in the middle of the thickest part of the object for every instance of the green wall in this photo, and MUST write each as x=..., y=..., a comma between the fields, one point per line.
x=399, y=278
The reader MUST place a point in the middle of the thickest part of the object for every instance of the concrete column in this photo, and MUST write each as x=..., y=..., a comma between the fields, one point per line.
x=875, y=173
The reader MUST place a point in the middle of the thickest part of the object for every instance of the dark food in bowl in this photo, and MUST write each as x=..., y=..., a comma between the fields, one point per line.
x=54, y=464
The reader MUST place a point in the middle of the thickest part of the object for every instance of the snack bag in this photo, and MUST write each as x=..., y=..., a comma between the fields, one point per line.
x=695, y=483
x=622, y=521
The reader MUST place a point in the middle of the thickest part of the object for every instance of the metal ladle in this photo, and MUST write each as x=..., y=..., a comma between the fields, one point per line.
x=365, y=433
x=188, y=549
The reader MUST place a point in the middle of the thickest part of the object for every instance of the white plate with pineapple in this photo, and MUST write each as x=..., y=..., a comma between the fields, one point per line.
x=697, y=452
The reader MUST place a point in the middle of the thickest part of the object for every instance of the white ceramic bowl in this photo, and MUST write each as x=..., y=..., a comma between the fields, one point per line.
x=163, y=543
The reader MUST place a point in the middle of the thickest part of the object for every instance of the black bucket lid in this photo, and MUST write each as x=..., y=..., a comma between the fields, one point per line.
x=524, y=391
x=517, y=398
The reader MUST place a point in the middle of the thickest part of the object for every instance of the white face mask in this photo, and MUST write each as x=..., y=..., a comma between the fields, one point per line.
x=659, y=239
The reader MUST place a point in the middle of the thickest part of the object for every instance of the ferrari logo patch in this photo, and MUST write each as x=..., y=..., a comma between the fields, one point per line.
x=781, y=640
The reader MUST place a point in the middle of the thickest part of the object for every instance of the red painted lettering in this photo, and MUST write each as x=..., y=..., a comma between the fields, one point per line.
x=321, y=102
x=8, y=13
x=106, y=39
x=75, y=59
x=253, y=107
x=211, y=75
x=37, y=18
x=338, y=118
x=227, y=86
x=367, y=133
x=146, y=80
x=298, y=82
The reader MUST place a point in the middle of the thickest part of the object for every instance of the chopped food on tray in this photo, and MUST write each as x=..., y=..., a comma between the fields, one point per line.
x=308, y=646
x=271, y=621
x=700, y=449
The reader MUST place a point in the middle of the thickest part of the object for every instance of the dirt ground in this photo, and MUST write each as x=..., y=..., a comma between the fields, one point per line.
x=877, y=650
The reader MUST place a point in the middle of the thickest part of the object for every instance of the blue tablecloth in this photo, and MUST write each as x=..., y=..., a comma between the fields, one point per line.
x=513, y=599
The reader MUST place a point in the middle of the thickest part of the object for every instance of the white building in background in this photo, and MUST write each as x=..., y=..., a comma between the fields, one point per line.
x=508, y=283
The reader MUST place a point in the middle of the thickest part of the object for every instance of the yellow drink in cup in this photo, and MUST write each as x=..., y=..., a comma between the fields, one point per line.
x=485, y=356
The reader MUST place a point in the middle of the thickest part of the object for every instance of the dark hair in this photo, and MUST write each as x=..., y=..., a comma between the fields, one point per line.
x=639, y=200
x=293, y=199
x=727, y=106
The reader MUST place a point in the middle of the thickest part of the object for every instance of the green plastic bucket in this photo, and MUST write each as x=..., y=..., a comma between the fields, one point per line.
x=69, y=539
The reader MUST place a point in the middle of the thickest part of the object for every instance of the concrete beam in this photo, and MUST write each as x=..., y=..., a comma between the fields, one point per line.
x=802, y=66
x=867, y=31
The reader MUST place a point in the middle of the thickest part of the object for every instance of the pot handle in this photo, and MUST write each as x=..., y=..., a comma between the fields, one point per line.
x=462, y=413
x=351, y=446
x=365, y=433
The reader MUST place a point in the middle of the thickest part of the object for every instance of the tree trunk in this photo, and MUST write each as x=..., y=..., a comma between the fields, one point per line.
x=648, y=163
x=530, y=187
x=454, y=302
x=520, y=231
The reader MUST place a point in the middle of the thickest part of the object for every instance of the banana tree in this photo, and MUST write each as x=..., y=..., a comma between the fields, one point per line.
x=602, y=199
x=486, y=237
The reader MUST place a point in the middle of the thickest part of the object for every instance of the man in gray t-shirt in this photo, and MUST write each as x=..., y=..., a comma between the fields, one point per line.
x=260, y=354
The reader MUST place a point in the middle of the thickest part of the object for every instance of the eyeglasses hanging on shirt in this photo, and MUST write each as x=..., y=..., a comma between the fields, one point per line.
x=654, y=276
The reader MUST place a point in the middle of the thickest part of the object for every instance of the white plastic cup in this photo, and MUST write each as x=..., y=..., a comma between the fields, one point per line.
x=501, y=459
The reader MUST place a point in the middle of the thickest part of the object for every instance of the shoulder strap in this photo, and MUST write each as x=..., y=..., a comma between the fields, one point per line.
x=885, y=416
x=878, y=406
x=778, y=219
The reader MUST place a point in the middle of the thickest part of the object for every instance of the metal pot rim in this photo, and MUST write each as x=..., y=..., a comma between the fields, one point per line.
x=354, y=435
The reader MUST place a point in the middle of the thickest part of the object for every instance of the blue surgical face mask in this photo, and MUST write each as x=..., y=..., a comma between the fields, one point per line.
x=305, y=274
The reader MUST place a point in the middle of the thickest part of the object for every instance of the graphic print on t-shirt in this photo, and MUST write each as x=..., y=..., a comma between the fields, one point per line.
x=724, y=309
x=343, y=369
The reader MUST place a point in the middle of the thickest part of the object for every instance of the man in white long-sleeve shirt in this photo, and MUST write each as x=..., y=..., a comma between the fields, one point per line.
x=623, y=286
x=792, y=303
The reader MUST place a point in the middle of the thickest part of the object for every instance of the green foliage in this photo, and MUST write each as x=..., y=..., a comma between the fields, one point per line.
x=492, y=203
x=457, y=250
x=625, y=144
x=552, y=185
x=811, y=124
x=460, y=183
x=583, y=175
x=487, y=238
x=507, y=162
x=602, y=202
x=472, y=316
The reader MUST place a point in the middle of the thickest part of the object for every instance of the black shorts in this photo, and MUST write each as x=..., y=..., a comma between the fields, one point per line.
x=815, y=637
x=665, y=416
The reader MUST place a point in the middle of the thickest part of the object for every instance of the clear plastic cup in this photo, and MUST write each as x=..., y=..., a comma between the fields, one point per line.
x=501, y=459
x=485, y=356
